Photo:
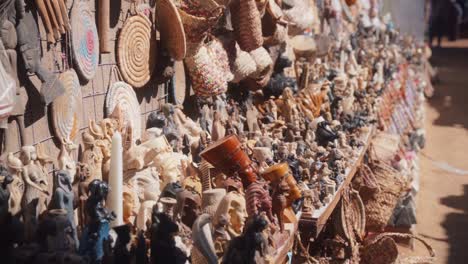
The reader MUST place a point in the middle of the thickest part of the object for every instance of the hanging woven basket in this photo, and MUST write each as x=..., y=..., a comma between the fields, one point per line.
x=247, y=24
x=136, y=51
x=85, y=41
x=67, y=108
x=209, y=70
x=171, y=29
x=198, y=20
x=122, y=94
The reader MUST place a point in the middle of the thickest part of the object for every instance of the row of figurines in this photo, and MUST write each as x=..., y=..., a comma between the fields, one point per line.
x=206, y=227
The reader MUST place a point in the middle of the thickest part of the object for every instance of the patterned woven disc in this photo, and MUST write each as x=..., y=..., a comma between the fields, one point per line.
x=136, y=53
x=122, y=94
x=67, y=108
x=85, y=40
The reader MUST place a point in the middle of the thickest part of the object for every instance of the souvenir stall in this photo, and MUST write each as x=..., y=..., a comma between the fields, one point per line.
x=208, y=131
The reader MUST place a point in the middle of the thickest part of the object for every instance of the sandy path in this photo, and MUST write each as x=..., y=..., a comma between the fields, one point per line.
x=443, y=199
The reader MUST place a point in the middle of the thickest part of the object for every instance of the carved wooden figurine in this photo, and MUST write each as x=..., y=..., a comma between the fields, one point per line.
x=63, y=198
x=35, y=195
x=16, y=187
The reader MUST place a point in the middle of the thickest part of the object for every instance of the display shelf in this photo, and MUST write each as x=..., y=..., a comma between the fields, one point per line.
x=319, y=218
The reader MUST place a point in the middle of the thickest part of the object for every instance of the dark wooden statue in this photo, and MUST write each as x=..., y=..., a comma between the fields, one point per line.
x=97, y=230
x=63, y=198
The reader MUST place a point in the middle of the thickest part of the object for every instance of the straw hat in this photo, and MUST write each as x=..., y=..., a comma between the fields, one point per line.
x=85, y=41
x=136, y=51
x=209, y=70
x=67, y=108
x=171, y=29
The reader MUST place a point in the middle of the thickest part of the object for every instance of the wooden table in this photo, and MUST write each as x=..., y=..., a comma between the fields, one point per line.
x=316, y=223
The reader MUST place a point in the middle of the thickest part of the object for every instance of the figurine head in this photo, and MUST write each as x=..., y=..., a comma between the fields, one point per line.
x=232, y=206
x=28, y=154
x=63, y=179
x=188, y=206
x=98, y=190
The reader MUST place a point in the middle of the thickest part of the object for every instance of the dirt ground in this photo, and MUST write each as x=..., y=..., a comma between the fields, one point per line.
x=442, y=203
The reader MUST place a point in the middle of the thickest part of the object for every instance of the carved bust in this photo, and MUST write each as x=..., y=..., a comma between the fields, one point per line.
x=232, y=206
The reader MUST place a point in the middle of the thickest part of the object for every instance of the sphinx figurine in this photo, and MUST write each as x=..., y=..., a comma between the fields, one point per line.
x=97, y=230
x=63, y=198
x=36, y=193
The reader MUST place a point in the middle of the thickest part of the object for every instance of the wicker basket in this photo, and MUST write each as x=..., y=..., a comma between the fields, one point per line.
x=247, y=24
x=171, y=28
x=198, y=21
x=209, y=70
x=383, y=250
x=380, y=206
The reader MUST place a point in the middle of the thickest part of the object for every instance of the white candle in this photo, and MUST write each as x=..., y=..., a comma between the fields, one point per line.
x=115, y=197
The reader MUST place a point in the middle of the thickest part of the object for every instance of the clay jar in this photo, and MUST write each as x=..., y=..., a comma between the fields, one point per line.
x=227, y=155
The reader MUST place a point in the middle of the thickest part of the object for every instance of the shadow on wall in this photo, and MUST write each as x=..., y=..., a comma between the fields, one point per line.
x=451, y=94
x=456, y=226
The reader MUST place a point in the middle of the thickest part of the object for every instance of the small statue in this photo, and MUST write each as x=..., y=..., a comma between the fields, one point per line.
x=259, y=200
x=63, y=198
x=10, y=227
x=56, y=233
x=163, y=244
x=122, y=253
x=92, y=157
x=252, y=246
x=232, y=207
x=188, y=207
x=97, y=231
x=65, y=161
x=36, y=193
x=16, y=187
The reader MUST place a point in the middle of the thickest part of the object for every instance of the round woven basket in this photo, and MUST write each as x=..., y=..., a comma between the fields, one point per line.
x=263, y=61
x=209, y=70
x=171, y=29
x=85, y=41
x=136, y=52
x=243, y=65
x=198, y=20
x=67, y=108
x=122, y=94
x=247, y=24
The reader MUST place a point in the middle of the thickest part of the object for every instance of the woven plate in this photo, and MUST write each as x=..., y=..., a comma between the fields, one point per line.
x=136, y=51
x=85, y=42
x=67, y=108
x=171, y=29
x=122, y=94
